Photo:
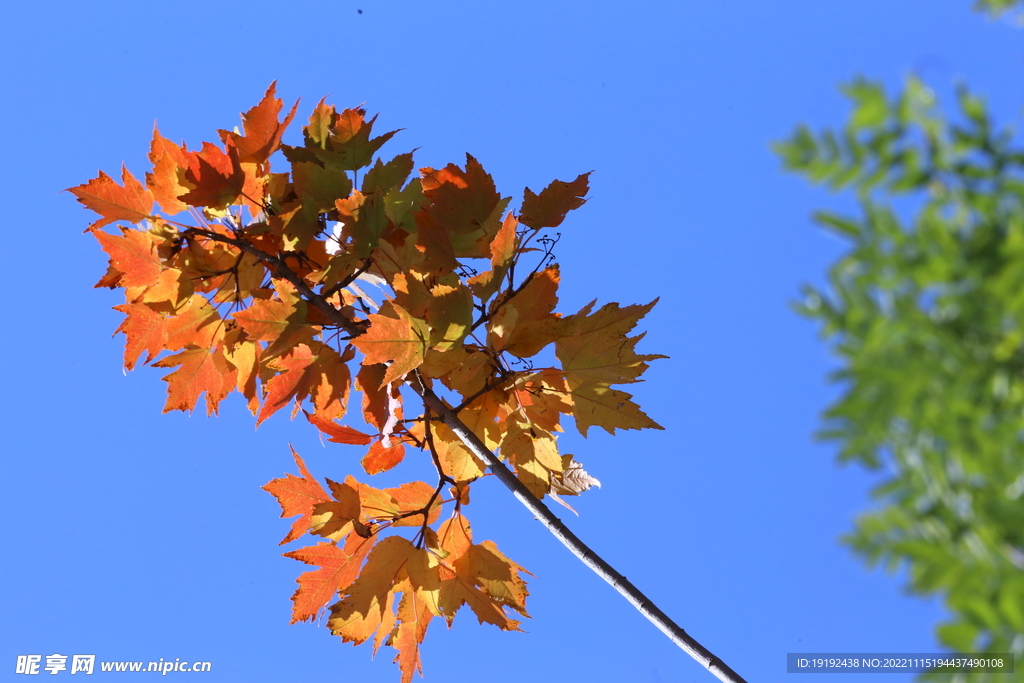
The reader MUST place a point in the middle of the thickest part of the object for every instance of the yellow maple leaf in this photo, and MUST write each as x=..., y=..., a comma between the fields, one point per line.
x=598, y=354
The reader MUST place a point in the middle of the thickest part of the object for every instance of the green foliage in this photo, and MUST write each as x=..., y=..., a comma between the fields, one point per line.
x=926, y=313
x=995, y=8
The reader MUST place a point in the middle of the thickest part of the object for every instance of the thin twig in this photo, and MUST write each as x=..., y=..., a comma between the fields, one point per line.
x=578, y=548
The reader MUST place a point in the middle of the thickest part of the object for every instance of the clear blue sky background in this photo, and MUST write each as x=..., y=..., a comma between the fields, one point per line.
x=133, y=535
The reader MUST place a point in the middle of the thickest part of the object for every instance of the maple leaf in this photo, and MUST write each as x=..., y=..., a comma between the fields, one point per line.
x=534, y=454
x=412, y=497
x=525, y=324
x=502, y=250
x=381, y=401
x=384, y=177
x=393, y=566
x=172, y=287
x=297, y=496
x=461, y=202
x=462, y=215
x=381, y=458
x=263, y=131
x=457, y=461
x=469, y=572
x=350, y=140
x=324, y=185
x=308, y=369
x=196, y=324
x=339, y=433
x=339, y=567
x=529, y=442
x=133, y=254
x=571, y=481
x=400, y=340
x=364, y=221
x=169, y=163
x=319, y=127
x=280, y=322
x=338, y=518
x=557, y=199
x=543, y=396
x=356, y=617
x=339, y=140
x=596, y=354
x=244, y=355
x=131, y=202
x=413, y=618
x=216, y=177
x=145, y=330
x=450, y=314
x=199, y=371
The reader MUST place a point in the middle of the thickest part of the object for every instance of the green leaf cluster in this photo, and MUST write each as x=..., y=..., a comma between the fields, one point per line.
x=995, y=8
x=926, y=313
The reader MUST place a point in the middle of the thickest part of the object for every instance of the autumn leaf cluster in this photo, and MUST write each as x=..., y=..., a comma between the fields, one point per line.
x=343, y=273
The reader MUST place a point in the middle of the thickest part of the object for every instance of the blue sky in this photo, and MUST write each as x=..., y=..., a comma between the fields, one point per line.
x=133, y=535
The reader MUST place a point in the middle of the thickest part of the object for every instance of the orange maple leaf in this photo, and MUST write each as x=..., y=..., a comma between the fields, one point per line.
x=470, y=571
x=357, y=616
x=414, y=616
x=133, y=202
x=557, y=199
x=402, y=341
x=315, y=369
x=145, y=330
x=350, y=140
x=133, y=254
x=282, y=322
x=297, y=496
x=169, y=162
x=410, y=497
x=197, y=323
x=199, y=371
x=263, y=131
x=216, y=177
x=339, y=567
x=525, y=323
x=502, y=250
x=339, y=433
x=461, y=202
x=381, y=458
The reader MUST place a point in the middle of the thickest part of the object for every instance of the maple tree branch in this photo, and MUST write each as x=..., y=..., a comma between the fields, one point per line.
x=433, y=403
x=504, y=297
x=558, y=529
x=487, y=387
x=429, y=438
x=348, y=280
x=281, y=269
x=399, y=344
x=442, y=478
x=578, y=548
x=511, y=291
